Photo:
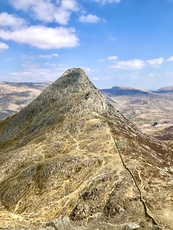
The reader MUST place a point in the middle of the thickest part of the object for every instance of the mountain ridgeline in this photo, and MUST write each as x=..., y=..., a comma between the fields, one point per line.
x=70, y=160
x=119, y=91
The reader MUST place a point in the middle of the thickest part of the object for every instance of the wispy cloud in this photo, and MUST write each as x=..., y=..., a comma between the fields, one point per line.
x=112, y=58
x=151, y=74
x=48, y=56
x=95, y=79
x=90, y=18
x=129, y=64
x=36, y=73
x=101, y=60
x=170, y=59
x=109, y=58
x=42, y=37
x=3, y=46
x=107, y=1
x=155, y=62
x=88, y=70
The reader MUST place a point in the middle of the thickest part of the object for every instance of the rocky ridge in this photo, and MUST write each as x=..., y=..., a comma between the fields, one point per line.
x=70, y=160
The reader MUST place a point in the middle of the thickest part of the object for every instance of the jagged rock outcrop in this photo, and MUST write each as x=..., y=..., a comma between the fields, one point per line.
x=69, y=160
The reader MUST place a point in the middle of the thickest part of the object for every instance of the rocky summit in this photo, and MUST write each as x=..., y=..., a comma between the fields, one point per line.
x=71, y=161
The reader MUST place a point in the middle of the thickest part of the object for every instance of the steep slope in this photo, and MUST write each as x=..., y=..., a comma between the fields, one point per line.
x=144, y=110
x=69, y=160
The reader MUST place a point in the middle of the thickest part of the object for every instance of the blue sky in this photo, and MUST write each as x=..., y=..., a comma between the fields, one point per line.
x=117, y=42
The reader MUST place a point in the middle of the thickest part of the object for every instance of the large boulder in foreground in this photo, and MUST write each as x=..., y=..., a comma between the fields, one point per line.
x=69, y=160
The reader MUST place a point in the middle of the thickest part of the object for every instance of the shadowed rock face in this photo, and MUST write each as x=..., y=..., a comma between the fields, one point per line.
x=69, y=160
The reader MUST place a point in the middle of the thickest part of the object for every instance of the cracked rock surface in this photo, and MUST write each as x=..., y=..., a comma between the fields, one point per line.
x=69, y=160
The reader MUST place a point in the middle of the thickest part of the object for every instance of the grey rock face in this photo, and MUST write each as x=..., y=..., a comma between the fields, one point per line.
x=61, y=223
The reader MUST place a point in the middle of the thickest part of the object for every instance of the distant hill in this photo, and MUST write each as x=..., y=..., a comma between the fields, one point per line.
x=15, y=96
x=168, y=89
x=33, y=85
x=145, y=108
x=119, y=91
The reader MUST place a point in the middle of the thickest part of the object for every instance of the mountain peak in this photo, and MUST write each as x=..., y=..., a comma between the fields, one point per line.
x=73, y=94
x=69, y=160
x=71, y=82
x=75, y=79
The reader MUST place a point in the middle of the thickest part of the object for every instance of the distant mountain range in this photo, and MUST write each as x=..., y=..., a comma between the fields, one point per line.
x=120, y=90
x=143, y=108
x=150, y=111
x=15, y=96
x=129, y=91
x=168, y=89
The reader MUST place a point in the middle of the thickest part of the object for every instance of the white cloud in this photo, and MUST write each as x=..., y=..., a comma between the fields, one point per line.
x=101, y=60
x=95, y=79
x=47, y=11
x=129, y=64
x=170, y=59
x=49, y=64
x=22, y=5
x=112, y=58
x=45, y=56
x=32, y=72
x=11, y=21
x=107, y=1
x=3, y=46
x=55, y=55
x=69, y=5
x=48, y=56
x=42, y=37
x=113, y=39
x=88, y=70
x=90, y=18
x=151, y=74
x=155, y=62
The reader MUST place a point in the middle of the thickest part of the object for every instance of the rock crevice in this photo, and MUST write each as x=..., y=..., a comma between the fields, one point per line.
x=136, y=184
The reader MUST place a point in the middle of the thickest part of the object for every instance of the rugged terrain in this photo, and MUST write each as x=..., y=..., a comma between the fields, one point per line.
x=151, y=112
x=70, y=160
x=15, y=96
